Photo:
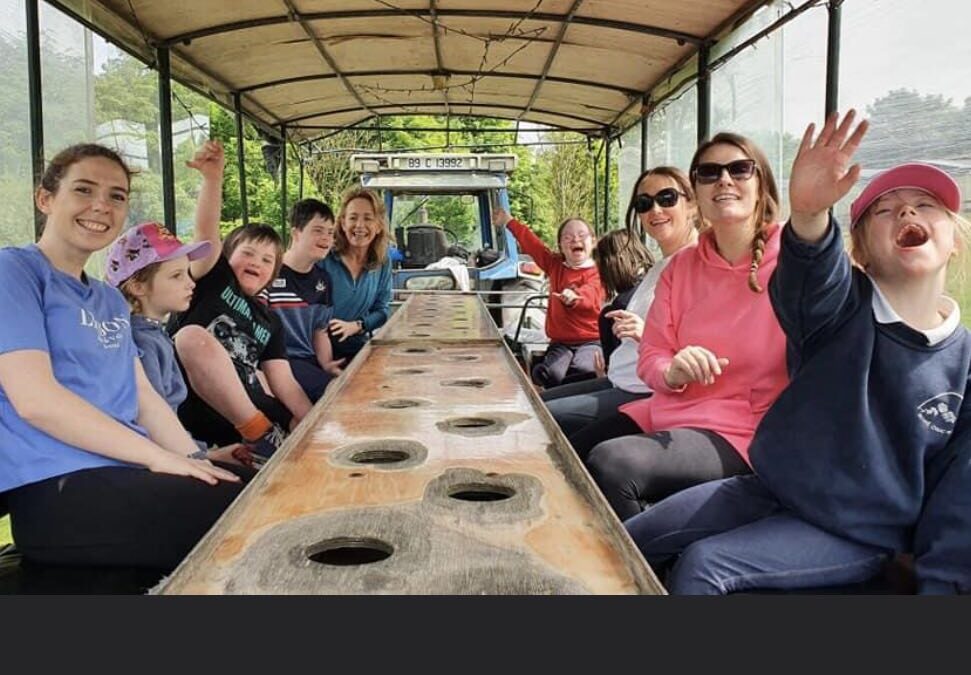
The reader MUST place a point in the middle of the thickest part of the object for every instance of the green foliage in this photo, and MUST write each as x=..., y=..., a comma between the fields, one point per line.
x=5, y=536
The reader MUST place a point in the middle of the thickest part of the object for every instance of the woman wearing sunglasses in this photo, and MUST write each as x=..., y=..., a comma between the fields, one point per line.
x=712, y=349
x=662, y=205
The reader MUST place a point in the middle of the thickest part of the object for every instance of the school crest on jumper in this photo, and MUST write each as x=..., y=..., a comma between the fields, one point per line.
x=941, y=412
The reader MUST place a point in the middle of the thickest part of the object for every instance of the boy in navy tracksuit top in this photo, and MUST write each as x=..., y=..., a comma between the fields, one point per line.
x=301, y=297
x=867, y=453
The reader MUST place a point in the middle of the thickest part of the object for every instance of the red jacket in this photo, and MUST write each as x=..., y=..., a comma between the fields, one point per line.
x=564, y=324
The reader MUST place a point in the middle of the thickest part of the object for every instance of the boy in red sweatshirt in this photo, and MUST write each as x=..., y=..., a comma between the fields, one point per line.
x=575, y=297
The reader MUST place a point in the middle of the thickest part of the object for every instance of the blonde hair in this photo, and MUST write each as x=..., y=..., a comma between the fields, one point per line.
x=143, y=276
x=767, y=202
x=377, y=254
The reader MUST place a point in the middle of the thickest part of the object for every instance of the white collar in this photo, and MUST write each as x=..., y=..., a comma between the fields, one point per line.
x=883, y=312
x=582, y=266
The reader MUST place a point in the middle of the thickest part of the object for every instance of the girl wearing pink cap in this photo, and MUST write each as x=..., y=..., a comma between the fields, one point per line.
x=95, y=468
x=867, y=454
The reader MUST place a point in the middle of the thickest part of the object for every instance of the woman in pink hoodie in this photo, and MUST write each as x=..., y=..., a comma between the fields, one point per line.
x=712, y=351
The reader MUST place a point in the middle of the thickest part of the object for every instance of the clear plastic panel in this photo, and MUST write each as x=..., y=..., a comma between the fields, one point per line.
x=17, y=214
x=904, y=64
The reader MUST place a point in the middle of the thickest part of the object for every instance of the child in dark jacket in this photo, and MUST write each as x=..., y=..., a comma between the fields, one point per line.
x=576, y=295
x=867, y=453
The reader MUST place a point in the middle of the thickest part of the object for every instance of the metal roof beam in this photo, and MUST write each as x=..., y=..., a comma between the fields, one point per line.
x=439, y=62
x=437, y=104
x=554, y=48
x=545, y=130
x=627, y=91
x=644, y=29
x=324, y=54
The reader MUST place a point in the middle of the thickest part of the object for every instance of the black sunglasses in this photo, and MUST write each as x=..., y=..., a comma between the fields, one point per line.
x=709, y=172
x=665, y=198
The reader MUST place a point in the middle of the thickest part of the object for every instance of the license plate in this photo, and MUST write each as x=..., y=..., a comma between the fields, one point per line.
x=443, y=163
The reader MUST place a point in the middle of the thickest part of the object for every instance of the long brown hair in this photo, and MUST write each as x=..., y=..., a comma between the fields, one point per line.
x=767, y=202
x=377, y=254
x=622, y=259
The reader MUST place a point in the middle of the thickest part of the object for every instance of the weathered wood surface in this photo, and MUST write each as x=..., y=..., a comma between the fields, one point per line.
x=465, y=425
x=443, y=318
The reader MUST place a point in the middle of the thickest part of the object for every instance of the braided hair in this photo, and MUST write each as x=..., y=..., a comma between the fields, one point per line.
x=767, y=202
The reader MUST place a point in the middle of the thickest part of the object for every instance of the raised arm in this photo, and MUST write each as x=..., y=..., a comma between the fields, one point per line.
x=530, y=243
x=812, y=284
x=209, y=160
x=822, y=174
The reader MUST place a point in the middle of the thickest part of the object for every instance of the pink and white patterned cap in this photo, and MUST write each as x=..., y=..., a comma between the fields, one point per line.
x=144, y=244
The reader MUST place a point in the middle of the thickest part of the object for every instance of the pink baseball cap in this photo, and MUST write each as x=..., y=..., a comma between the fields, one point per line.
x=144, y=244
x=914, y=176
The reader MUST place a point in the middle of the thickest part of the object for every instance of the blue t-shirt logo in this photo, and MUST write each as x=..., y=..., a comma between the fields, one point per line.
x=111, y=332
x=941, y=412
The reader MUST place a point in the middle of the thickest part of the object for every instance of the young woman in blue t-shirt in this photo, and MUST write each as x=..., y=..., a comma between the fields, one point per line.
x=95, y=467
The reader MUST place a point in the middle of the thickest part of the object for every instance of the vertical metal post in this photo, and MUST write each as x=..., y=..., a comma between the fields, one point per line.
x=596, y=191
x=704, y=94
x=606, y=181
x=833, y=56
x=302, y=171
x=240, y=157
x=283, y=184
x=36, y=104
x=165, y=134
x=644, y=143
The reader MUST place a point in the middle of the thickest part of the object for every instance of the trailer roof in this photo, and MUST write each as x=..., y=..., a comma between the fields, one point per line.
x=316, y=65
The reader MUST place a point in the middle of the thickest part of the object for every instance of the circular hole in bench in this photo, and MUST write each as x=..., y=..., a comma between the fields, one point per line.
x=399, y=403
x=481, y=492
x=469, y=382
x=379, y=456
x=346, y=551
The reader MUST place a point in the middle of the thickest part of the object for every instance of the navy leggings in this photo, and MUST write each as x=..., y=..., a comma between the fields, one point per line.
x=560, y=357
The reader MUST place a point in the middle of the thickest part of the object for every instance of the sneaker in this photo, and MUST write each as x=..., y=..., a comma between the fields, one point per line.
x=264, y=447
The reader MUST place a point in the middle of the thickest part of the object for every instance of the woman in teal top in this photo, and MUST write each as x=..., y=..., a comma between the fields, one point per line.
x=360, y=272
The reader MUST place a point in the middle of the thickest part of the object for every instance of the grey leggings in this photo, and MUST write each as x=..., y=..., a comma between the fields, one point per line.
x=632, y=470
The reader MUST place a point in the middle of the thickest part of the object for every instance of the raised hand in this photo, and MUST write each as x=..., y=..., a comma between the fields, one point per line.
x=822, y=174
x=209, y=160
x=694, y=364
x=500, y=217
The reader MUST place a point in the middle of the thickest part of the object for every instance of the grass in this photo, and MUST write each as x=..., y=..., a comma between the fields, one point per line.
x=5, y=537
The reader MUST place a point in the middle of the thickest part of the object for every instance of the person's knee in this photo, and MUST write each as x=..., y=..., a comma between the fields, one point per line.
x=194, y=344
x=605, y=464
x=695, y=572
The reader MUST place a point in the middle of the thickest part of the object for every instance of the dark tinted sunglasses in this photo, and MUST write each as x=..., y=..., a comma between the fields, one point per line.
x=710, y=172
x=665, y=198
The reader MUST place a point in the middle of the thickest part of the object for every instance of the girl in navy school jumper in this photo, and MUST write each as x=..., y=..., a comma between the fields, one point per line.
x=867, y=453
x=95, y=467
